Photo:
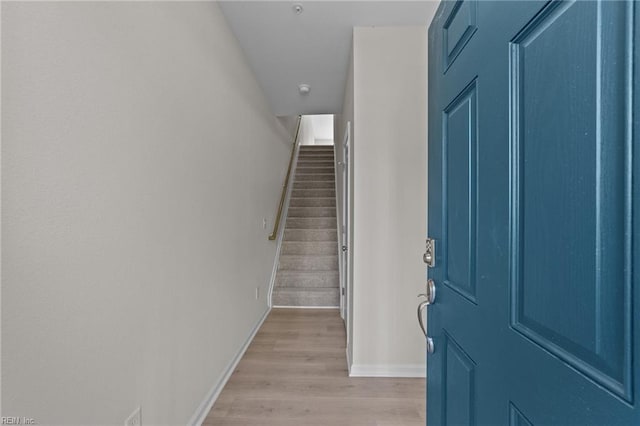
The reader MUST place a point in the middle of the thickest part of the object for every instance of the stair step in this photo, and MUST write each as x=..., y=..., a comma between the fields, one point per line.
x=316, y=153
x=290, y=262
x=284, y=296
x=311, y=212
x=315, y=157
x=311, y=223
x=309, y=184
x=307, y=193
x=330, y=177
x=306, y=279
x=314, y=170
x=310, y=235
x=309, y=247
x=304, y=150
x=316, y=163
x=301, y=177
x=312, y=202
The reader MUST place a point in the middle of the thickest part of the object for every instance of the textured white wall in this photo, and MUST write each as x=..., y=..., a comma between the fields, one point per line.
x=138, y=159
x=390, y=188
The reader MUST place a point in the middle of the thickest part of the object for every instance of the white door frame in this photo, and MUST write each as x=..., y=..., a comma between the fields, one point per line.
x=345, y=226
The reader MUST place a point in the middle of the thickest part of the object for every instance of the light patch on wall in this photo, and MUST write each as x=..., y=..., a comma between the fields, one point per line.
x=322, y=128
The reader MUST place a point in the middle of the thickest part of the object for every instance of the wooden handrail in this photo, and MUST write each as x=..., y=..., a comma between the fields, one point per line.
x=285, y=186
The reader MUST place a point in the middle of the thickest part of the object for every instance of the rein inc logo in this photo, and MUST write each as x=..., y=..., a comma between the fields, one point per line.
x=17, y=421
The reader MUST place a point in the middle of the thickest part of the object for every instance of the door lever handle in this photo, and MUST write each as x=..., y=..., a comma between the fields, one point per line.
x=430, y=295
x=421, y=308
x=430, y=347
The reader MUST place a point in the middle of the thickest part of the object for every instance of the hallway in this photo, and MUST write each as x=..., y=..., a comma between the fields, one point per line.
x=294, y=373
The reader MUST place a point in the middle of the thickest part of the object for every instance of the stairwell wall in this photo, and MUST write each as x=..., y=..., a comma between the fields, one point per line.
x=389, y=114
x=139, y=157
x=305, y=136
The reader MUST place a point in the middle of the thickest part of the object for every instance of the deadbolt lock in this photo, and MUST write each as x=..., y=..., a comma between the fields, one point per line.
x=429, y=256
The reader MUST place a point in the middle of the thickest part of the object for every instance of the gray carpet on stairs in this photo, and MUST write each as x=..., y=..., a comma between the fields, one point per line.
x=308, y=266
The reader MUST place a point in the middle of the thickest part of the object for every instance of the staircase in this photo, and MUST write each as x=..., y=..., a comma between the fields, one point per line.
x=308, y=269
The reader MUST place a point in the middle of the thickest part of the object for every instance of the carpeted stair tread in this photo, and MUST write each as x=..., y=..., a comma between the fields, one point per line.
x=307, y=272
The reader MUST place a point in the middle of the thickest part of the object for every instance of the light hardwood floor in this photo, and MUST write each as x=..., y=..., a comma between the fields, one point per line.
x=295, y=373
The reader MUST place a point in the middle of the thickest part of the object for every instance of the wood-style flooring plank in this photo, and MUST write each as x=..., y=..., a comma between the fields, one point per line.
x=295, y=373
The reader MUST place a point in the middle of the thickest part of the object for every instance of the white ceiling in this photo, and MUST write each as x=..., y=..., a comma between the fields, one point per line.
x=285, y=49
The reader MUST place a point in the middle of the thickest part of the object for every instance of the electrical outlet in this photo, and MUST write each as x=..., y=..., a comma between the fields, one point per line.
x=135, y=419
x=257, y=293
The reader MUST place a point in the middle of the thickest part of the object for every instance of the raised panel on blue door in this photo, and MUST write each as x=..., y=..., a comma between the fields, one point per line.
x=459, y=384
x=458, y=29
x=571, y=213
x=459, y=164
x=516, y=418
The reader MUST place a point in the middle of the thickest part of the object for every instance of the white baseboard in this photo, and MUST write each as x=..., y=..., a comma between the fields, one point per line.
x=203, y=409
x=306, y=307
x=377, y=370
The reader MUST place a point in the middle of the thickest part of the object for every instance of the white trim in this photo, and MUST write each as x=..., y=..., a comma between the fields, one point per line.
x=338, y=168
x=205, y=406
x=395, y=370
x=305, y=307
x=346, y=281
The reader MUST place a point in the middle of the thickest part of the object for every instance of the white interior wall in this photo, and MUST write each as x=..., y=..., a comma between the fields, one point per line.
x=290, y=123
x=316, y=130
x=323, y=129
x=389, y=198
x=1, y=133
x=139, y=157
x=306, y=135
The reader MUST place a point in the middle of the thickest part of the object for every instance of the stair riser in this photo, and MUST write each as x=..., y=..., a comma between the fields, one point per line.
x=315, y=157
x=314, y=170
x=314, y=185
x=307, y=193
x=312, y=202
x=311, y=223
x=316, y=177
x=311, y=212
x=310, y=235
x=307, y=279
x=308, y=263
x=281, y=297
x=309, y=248
x=307, y=163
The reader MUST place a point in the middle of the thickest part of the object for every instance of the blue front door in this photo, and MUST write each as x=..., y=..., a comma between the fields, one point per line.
x=534, y=189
